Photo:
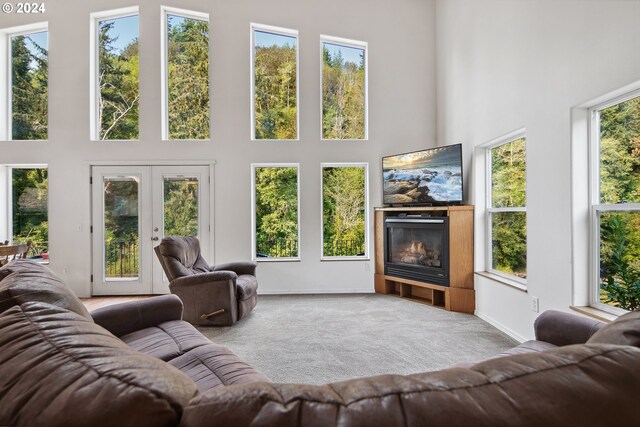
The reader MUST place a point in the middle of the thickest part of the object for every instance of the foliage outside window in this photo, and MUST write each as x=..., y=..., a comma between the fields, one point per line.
x=343, y=91
x=187, y=77
x=118, y=76
x=180, y=206
x=275, y=87
x=616, y=211
x=29, y=208
x=29, y=86
x=343, y=211
x=121, y=226
x=276, y=218
x=506, y=216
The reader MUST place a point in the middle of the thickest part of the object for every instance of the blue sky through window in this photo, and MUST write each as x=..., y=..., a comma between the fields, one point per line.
x=42, y=40
x=125, y=29
x=349, y=54
x=265, y=39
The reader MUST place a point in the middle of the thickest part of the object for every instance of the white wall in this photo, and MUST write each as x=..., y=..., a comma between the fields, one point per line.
x=401, y=38
x=506, y=64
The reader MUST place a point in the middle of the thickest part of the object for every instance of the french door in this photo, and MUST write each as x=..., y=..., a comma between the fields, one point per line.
x=134, y=207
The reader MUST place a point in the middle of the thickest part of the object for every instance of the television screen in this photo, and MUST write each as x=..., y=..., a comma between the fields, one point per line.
x=432, y=176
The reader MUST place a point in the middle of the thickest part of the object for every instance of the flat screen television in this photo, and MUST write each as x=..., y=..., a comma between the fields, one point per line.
x=423, y=178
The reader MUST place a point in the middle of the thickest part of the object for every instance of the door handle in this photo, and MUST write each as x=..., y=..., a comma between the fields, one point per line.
x=155, y=239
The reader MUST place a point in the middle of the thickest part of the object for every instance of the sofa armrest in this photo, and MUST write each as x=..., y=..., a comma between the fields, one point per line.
x=127, y=317
x=202, y=278
x=239, y=267
x=559, y=328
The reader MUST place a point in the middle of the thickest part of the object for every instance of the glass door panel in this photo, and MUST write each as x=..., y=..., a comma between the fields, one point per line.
x=121, y=228
x=183, y=198
x=180, y=206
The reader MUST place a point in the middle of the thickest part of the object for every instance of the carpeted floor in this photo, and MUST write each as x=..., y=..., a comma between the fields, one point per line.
x=318, y=339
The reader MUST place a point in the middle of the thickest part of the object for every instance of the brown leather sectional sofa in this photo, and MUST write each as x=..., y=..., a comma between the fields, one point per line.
x=138, y=364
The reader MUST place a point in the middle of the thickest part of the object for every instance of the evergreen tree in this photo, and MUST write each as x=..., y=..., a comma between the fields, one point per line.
x=343, y=97
x=29, y=89
x=188, y=67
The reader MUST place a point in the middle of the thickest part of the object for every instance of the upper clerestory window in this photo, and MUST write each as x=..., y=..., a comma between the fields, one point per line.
x=185, y=75
x=115, y=71
x=24, y=77
x=274, y=92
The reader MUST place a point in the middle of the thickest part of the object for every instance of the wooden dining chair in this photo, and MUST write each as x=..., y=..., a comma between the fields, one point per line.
x=11, y=252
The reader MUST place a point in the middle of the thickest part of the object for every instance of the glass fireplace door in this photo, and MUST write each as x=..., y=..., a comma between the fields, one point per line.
x=417, y=249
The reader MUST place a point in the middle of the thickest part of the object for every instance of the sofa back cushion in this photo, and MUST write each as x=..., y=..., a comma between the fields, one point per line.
x=58, y=368
x=625, y=330
x=26, y=280
x=180, y=256
x=580, y=385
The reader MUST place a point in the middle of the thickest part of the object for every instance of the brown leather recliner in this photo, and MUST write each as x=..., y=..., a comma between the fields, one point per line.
x=212, y=295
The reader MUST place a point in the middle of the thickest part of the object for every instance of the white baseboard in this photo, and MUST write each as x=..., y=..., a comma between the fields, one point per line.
x=315, y=291
x=500, y=326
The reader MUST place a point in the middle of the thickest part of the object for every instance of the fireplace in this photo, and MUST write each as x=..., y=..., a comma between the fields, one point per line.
x=417, y=248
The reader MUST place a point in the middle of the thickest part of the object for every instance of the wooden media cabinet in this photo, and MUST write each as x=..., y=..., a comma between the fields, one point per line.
x=460, y=294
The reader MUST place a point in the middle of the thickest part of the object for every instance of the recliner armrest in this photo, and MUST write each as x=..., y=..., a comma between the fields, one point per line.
x=559, y=328
x=198, y=279
x=239, y=267
x=124, y=318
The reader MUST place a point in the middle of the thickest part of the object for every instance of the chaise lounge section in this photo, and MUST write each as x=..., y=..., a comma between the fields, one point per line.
x=138, y=364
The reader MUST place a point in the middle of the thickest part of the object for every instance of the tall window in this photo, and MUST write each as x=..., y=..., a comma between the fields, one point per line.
x=344, y=210
x=275, y=83
x=344, y=89
x=186, y=75
x=28, y=207
x=117, y=94
x=25, y=116
x=615, y=200
x=507, y=214
x=276, y=219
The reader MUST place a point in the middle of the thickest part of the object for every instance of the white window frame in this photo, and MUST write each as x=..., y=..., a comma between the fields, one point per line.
x=164, y=61
x=6, y=173
x=6, y=125
x=503, y=140
x=254, y=166
x=94, y=66
x=288, y=32
x=366, y=256
x=357, y=45
x=595, y=207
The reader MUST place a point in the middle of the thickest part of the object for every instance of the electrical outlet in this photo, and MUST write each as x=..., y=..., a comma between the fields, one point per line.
x=367, y=266
x=535, y=304
x=65, y=270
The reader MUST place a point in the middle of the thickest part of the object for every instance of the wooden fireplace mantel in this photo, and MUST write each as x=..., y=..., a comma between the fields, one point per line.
x=459, y=295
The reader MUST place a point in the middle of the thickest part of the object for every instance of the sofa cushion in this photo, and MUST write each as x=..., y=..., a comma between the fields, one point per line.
x=167, y=340
x=214, y=365
x=58, y=368
x=625, y=330
x=27, y=280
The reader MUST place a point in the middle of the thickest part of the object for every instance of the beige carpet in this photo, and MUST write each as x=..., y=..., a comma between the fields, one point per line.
x=326, y=338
